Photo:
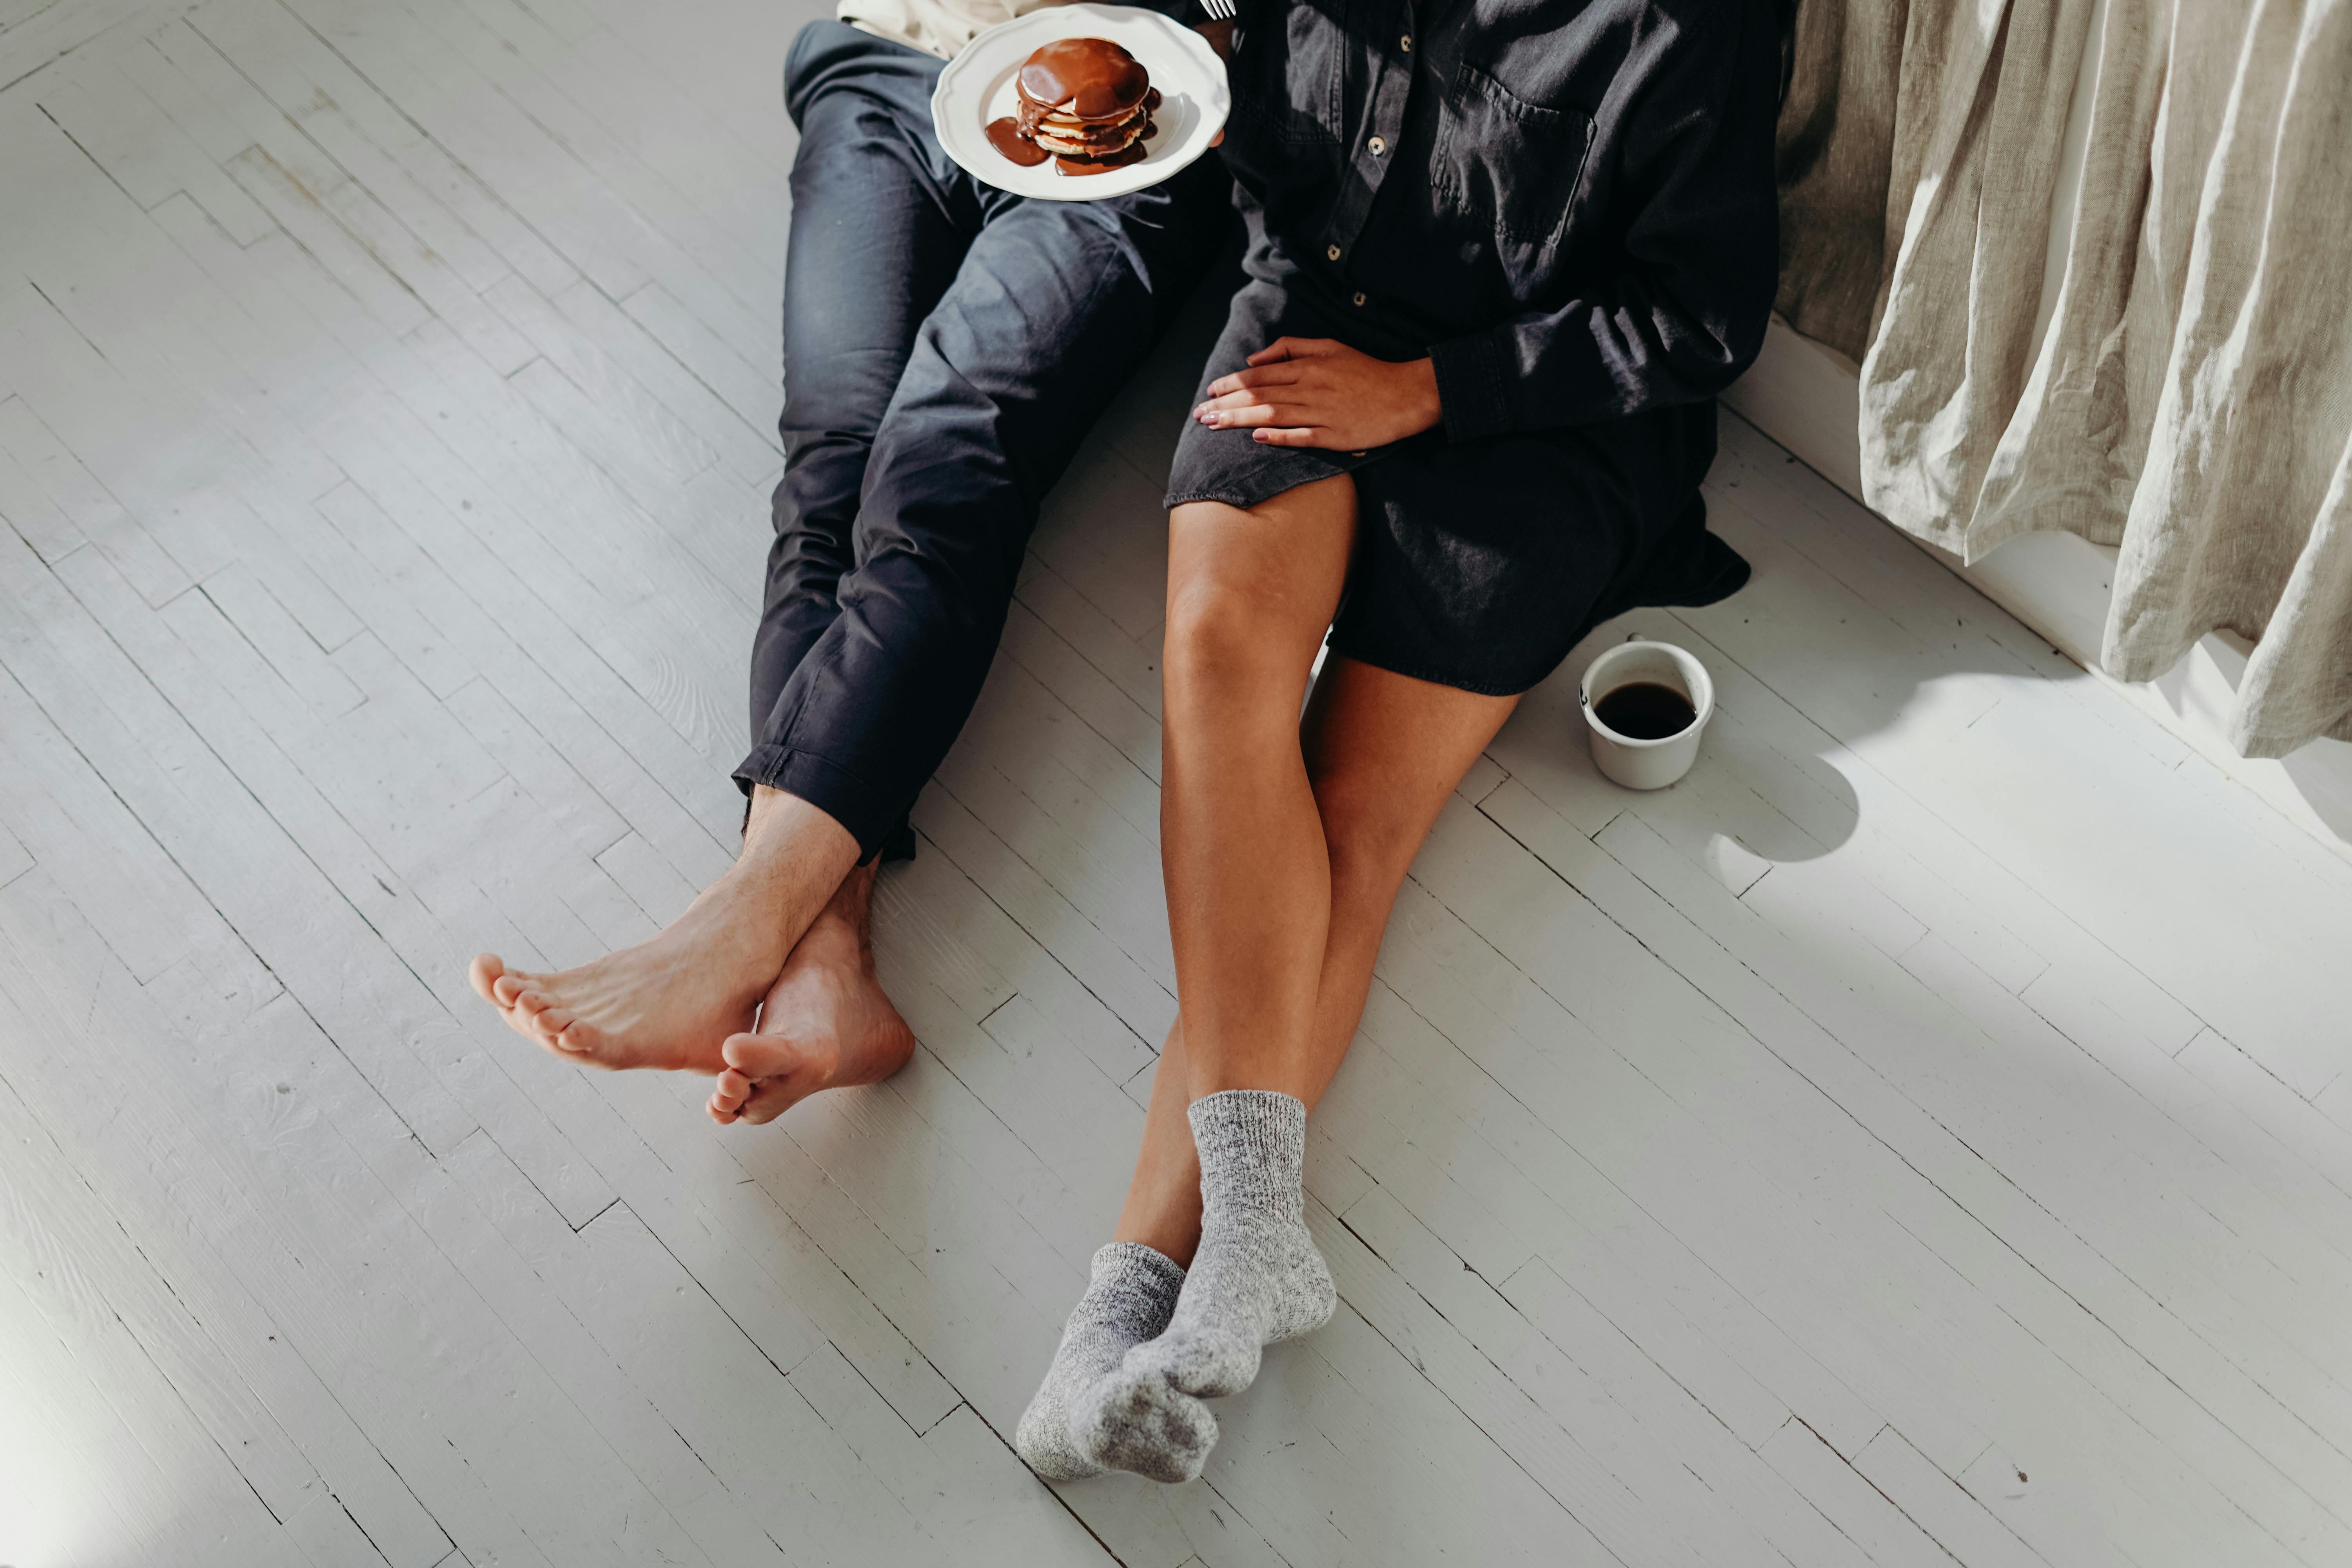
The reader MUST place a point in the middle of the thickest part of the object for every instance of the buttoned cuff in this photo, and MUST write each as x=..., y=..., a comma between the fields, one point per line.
x=1474, y=385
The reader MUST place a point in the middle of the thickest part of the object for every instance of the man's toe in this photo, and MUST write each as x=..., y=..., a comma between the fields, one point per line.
x=484, y=973
x=754, y=1055
x=770, y=1100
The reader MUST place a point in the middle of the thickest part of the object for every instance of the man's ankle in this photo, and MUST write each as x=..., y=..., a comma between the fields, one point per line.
x=851, y=904
x=781, y=827
x=836, y=939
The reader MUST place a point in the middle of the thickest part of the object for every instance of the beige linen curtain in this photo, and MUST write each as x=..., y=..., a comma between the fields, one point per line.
x=2191, y=399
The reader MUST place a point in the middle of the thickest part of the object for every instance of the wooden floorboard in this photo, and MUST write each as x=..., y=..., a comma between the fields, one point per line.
x=1923, y=1135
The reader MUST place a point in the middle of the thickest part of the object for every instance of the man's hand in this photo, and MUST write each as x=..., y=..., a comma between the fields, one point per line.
x=1317, y=391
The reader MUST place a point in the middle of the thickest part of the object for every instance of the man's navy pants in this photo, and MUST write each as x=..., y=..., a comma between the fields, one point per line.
x=947, y=345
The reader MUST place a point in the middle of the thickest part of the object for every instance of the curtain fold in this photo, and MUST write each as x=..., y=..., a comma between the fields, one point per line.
x=1837, y=137
x=2191, y=401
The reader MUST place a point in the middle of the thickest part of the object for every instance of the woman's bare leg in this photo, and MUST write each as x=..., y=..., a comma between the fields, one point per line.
x=1250, y=594
x=1282, y=858
x=1163, y=1197
x=1382, y=752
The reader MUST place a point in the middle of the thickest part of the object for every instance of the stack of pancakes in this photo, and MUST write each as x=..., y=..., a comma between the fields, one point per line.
x=1085, y=100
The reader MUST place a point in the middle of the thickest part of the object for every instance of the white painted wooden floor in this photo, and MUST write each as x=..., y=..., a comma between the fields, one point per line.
x=1921, y=1136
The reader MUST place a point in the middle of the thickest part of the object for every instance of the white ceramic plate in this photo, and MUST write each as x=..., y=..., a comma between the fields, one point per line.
x=977, y=86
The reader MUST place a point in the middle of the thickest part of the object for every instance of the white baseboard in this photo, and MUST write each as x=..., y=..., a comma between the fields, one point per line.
x=1805, y=395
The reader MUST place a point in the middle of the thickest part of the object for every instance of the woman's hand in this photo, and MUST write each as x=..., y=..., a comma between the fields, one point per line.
x=1317, y=391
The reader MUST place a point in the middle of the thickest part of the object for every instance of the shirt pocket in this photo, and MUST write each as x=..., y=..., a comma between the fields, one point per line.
x=1508, y=162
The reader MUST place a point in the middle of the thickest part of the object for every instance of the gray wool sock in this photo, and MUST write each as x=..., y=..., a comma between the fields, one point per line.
x=1256, y=1278
x=1133, y=1292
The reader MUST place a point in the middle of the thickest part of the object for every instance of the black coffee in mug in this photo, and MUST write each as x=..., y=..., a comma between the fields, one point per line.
x=1646, y=710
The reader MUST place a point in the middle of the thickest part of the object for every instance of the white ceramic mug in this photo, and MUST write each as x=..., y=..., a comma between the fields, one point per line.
x=1646, y=764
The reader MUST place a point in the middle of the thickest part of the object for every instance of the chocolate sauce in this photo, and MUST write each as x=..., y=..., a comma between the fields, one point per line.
x=1135, y=153
x=1004, y=135
x=1094, y=77
x=1646, y=710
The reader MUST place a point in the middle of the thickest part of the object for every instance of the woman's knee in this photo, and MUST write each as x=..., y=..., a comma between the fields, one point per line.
x=1251, y=593
x=1227, y=627
x=1219, y=631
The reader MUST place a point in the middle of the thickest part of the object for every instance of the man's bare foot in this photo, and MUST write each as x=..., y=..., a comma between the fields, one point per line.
x=826, y=1025
x=673, y=999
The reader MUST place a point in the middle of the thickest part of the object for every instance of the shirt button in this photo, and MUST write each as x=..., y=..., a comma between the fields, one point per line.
x=1333, y=253
x=1407, y=42
x=1360, y=298
x=1379, y=145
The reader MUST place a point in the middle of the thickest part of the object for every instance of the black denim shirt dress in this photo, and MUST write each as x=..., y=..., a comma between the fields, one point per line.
x=1568, y=207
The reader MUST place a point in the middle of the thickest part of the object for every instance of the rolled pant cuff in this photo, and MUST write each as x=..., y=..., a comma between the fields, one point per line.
x=878, y=825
